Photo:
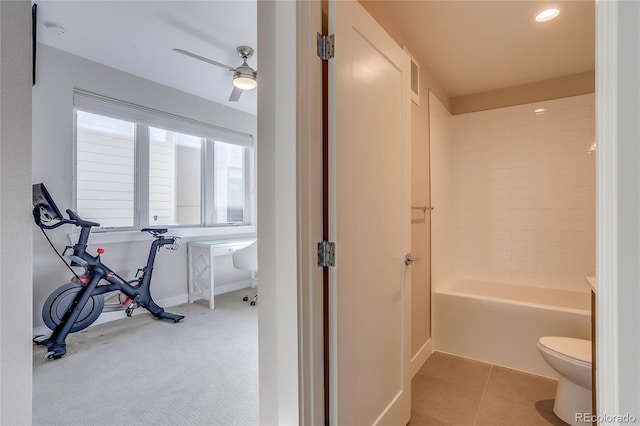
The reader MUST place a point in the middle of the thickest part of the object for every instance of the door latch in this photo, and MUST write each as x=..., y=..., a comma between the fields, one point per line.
x=410, y=260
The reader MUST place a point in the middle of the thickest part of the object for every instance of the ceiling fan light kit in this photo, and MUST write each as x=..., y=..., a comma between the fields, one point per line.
x=244, y=81
x=244, y=77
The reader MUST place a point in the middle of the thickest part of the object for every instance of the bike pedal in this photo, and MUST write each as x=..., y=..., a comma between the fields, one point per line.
x=40, y=339
x=51, y=355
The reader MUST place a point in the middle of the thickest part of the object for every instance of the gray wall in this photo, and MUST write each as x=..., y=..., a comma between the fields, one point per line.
x=15, y=221
x=628, y=193
x=58, y=74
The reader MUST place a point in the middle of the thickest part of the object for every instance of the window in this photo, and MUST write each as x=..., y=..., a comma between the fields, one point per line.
x=175, y=178
x=230, y=182
x=105, y=164
x=137, y=167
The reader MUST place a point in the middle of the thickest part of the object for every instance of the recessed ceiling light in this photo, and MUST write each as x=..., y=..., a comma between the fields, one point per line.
x=539, y=111
x=547, y=15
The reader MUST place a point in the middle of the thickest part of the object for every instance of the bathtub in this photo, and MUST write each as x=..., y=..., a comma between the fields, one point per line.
x=501, y=323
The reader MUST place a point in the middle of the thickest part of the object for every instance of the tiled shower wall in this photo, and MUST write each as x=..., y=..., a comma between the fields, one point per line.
x=523, y=193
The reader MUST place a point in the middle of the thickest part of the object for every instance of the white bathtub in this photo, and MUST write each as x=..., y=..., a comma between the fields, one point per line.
x=501, y=323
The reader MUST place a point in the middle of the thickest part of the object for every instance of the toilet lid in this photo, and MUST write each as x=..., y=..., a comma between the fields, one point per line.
x=575, y=348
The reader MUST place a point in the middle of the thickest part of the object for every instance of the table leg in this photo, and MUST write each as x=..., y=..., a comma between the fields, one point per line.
x=189, y=274
x=212, y=274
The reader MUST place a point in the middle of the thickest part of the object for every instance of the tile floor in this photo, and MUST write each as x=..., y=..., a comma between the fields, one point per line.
x=451, y=390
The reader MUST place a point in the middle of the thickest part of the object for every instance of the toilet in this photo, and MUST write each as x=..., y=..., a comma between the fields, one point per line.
x=571, y=359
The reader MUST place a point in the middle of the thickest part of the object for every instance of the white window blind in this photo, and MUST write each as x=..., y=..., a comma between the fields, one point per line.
x=99, y=104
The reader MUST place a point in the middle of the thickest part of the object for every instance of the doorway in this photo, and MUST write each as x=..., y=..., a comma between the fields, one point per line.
x=69, y=83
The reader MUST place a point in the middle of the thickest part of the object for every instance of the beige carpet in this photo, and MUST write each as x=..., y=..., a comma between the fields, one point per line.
x=144, y=371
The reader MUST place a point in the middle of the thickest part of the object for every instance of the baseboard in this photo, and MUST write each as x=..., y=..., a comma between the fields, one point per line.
x=239, y=285
x=421, y=357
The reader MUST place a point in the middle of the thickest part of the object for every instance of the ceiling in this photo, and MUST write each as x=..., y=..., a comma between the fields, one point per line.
x=469, y=46
x=137, y=37
x=474, y=46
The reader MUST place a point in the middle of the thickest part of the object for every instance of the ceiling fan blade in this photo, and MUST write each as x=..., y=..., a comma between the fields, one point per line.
x=235, y=94
x=202, y=58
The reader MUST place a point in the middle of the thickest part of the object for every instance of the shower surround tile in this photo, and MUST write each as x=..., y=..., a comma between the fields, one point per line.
x=524, y=178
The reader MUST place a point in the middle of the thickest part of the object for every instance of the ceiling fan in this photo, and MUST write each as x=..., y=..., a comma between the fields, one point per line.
x=244, y=77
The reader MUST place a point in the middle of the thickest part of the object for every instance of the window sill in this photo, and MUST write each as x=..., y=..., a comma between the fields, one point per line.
x=105, y=237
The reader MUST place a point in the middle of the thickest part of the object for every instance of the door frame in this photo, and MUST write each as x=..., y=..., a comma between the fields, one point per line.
x=609, y=59
x=290, y=213
x=310, y=214
x=607, y=210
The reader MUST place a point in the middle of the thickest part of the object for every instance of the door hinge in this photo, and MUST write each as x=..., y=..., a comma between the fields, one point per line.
x=326, y=46
x=326, y=254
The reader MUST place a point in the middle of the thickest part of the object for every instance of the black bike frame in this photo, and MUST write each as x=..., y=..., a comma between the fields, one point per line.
x=98, y=271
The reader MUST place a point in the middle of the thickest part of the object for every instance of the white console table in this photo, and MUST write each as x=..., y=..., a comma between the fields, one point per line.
x=200, y=257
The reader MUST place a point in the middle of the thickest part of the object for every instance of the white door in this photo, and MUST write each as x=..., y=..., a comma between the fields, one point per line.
x=369, y=205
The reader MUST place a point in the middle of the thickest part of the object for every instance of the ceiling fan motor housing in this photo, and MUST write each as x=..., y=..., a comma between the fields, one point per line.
x=245, y=52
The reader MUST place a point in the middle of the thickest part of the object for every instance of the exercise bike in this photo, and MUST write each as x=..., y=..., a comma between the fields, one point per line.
x=76, y=305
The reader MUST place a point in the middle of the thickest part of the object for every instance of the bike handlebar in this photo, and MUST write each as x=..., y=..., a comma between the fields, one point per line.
x=80, y=221
x=74, y=219
x=41, y=224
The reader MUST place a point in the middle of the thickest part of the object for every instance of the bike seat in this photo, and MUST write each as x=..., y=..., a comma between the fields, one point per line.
x=156, y=231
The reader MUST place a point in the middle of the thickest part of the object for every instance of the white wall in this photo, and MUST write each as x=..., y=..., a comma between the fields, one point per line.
x=58, y=74
x=278, y=247
x=15, y=211
x=441, y=193
x=618, y=109
x=523, y=188
x=628, y=193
